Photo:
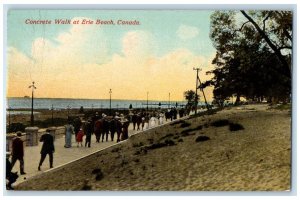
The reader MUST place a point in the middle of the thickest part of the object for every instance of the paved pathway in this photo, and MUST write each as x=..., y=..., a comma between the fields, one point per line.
x=62, y=155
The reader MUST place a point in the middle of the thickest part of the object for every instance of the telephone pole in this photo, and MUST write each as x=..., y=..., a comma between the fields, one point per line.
x=199, y=87
x=147, y=100
x=196, y=100
x=32, y=117
x=52, y=114
x=9, y=108
x=110, y=101
x=169, y=100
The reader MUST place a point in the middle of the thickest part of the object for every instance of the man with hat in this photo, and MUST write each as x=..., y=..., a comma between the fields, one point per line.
x=18, y=152
x=11, y=177
x=47, y=148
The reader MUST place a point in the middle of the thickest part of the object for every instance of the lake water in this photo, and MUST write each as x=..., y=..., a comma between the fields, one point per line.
x=46, y=103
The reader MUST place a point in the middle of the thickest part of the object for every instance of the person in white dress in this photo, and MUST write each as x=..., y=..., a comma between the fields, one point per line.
x=161, y=118
x=152, y=122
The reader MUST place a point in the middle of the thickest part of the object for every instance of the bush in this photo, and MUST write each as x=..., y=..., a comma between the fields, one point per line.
x=96, y=171
x=14, y=127
x=169, y=142
x=99, y=174
x=235, y=127
x=185, y=124
x=202, y=138
x=177, y=122
x=138, y=145
x=219, y=123
x=48, y=122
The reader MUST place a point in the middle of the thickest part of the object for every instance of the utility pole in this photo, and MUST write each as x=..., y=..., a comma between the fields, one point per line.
x=32, y=117
x=68, y=108
x=197, y=87
x=110, y=101
x=169, y=100
x=147, y=100
x=9, y=108
x=196, y=100
x=52, y=114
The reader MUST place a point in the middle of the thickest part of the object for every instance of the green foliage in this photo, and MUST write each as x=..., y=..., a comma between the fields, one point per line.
x=190, y=97
x=14, y=127
x=247, y=61
x=48, y=122
x=283, y=107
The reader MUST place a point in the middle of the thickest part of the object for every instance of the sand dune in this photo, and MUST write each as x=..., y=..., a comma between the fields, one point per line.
x=168, y=158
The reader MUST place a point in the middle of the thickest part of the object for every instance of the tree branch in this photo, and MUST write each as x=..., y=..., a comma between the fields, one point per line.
x=264, y=28
x=284, y=30
x=285, y=47
x=241, y=27
x=272, y=46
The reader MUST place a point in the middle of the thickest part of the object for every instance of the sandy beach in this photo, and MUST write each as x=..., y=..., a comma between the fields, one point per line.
x=245, y=148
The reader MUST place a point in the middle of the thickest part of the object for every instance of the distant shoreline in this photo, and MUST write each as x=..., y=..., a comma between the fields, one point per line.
x=145, y=100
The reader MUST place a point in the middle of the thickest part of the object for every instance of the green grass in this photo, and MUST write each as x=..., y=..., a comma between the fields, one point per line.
x=283, y=107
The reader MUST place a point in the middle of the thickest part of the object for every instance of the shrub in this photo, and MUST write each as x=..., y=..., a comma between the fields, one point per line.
x=177, y=122
x=185, y=124
x=202, y=138
x=235, y=127
x=14, y=127
x=169, y=142
x=96, y=171
x=99, y=174
x=219, y=123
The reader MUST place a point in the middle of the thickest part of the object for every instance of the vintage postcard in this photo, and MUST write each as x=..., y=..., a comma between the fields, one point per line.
x=149, y=100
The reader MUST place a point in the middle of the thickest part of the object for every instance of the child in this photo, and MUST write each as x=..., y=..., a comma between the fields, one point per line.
x=79, y=137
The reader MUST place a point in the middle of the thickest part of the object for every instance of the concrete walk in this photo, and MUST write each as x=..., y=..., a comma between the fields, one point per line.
x=64, y=155
x=61, y=155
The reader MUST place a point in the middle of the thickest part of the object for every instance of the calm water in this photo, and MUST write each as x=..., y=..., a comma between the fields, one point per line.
x=45, y=103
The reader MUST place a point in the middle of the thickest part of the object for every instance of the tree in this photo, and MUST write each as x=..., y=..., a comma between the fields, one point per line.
x=251, y=62
x=189, y=95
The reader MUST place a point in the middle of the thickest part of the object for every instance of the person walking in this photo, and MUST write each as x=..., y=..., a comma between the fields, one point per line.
x=161, y=118
x=88, y=133
x=77, y=125
x=138, y=121
x=79, y=137
x=47, y=148
x=134, y=120
x=18, y=152
x=69, y=130
x=11, y=177
x=125, y=125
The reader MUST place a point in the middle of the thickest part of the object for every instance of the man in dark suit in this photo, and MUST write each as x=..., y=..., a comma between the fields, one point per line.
x=11, y=177
x=47, y=148
x=18, y=152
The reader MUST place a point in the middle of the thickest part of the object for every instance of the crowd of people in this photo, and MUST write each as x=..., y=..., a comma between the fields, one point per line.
x=102, y=126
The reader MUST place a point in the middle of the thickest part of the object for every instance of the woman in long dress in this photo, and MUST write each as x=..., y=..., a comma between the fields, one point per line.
x=161, y=118
x=152, y=122
x=69, y=130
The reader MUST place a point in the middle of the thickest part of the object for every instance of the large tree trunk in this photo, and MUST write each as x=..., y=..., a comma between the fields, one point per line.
x=238, y=99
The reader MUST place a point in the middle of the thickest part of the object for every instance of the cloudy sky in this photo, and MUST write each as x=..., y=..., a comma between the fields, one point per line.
x=85, y=61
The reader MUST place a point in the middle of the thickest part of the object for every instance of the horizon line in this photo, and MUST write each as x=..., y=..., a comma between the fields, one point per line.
x=94, y=99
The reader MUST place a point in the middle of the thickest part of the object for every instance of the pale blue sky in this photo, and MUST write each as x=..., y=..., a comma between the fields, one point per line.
x=162, y=24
